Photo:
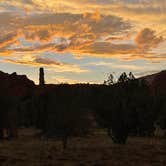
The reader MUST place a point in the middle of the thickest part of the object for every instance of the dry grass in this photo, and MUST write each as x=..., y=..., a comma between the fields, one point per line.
x=97, y=150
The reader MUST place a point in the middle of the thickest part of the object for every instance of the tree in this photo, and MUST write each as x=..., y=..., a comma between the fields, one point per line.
x=111, y=115
x=131, y=76
x=64, y=115
x=8, y=117
x=140, y=108
x=110, y=80
x=123, y=78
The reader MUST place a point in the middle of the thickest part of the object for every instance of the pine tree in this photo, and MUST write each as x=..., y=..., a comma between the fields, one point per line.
x=123, y=78
x=131, y=76
x=110, y=80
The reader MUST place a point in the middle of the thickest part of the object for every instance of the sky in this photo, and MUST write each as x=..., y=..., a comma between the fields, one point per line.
x=82, y=41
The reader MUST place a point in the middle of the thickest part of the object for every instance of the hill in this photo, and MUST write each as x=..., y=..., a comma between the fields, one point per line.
x=15, y=85
x=157, y=82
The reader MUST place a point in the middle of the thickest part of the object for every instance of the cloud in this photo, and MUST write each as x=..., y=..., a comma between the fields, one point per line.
x=8, y=39
x=81, y=48
x=140, y=11
x=148, y=39
x=141, y=47
x=94, y=16
x=79, y=6
x=62, y=32
x=78, y=28
x=154, y=62
x=47, y=61
x=108, y=49
x=120, y=38
x=68, y=25
x=116, y=66
x=148, y=56
x=50, y=64
x=81, y=33
x=40, y=35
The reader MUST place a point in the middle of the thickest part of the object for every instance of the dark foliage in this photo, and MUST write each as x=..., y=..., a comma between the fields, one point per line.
x=126, y=107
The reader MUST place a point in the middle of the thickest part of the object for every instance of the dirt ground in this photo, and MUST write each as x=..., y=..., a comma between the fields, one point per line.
x=97, y=150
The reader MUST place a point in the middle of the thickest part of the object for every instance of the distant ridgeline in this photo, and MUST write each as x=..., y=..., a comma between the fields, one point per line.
x=62, y=110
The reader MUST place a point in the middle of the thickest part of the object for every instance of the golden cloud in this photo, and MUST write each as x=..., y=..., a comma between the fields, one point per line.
x=148, y=39
x=88, y=33
x=68, y=25
x=8, y=39
x=78, y=45
x=94, y=16
x=142, y=12
x=50, y=64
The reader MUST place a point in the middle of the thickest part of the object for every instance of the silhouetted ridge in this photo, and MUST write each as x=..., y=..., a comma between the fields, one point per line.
x=157, y=82
x=15, y=85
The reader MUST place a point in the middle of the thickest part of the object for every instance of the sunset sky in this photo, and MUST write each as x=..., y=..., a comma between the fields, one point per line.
x=82, y=40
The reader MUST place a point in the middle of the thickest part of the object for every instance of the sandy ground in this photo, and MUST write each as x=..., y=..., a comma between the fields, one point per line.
x=97, y=150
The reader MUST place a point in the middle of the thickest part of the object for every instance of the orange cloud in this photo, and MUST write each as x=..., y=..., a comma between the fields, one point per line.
x=40, y=35
x=67, y=25
x=94, y=16
x=50, y=64
x=148, y=39
x=79, y=45
x=141, y=12
x=8, y=39
x=81, y=34
x=112, y=38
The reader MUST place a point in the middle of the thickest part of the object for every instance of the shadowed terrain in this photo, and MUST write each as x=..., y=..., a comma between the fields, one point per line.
x=96, y=150
x=117, y=124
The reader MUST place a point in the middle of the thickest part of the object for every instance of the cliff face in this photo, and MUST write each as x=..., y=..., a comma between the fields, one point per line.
x=15, y=85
